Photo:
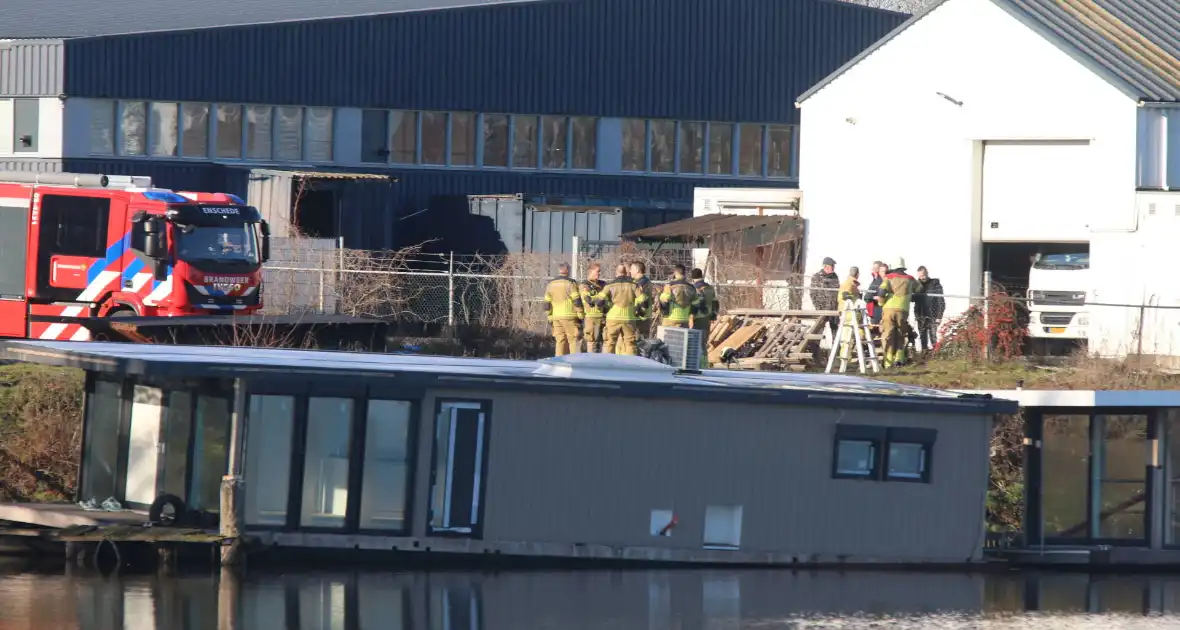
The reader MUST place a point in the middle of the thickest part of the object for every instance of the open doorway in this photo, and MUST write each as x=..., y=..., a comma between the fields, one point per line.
x=1051, y=282
x=316, y=211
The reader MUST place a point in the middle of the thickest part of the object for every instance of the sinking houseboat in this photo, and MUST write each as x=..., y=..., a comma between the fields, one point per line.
x=583, y=456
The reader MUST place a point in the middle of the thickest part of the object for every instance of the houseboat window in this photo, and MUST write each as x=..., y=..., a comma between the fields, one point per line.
x=270, y=425
x=211, y=453
x=103, y=410
x=907, y=460
x=325, y=466
x=1120, y=461
x=383, y=498
x=1066, y=475
x=1170, y=419
x=143, y=445
x=856, y=458
x=458, y=467
x=723, y=526
x=178, y=430
x=909, y=454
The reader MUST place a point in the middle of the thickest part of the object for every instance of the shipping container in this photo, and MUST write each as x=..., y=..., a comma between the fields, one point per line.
x=676, y=59
x=545, y=229
x=354, y=207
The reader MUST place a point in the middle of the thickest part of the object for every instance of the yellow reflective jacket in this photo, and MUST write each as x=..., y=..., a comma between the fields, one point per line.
x=897, y=290
x=563, y=300
x=678, y=301
x=710, y=307
x=589, y=290
x=649, y=293
x=619, y=298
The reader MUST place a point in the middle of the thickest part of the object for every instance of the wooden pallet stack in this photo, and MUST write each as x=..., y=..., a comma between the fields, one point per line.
x=768, y=339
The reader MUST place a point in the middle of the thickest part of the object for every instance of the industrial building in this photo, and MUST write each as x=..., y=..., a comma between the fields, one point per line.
x=983, y=132
x=602, y=103
x=560, y=458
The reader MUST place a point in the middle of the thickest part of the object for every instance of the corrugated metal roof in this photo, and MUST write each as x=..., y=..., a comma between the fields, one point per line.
x=1134, y=44
x=78, y=18
x=714, y=224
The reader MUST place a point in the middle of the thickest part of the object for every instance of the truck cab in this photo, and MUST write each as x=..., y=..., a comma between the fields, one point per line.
x=1058, y=287
x=81, y=245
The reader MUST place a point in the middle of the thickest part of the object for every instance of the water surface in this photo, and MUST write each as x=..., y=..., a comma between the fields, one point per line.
x=618, y=600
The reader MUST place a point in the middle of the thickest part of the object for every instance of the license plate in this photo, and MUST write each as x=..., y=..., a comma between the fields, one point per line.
x=1057, y=331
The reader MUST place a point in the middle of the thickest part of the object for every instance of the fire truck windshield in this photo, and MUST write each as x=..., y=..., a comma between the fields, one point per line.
x=235, y=244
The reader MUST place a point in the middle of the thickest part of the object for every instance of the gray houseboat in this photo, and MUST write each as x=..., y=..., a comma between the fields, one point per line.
x=583, y=456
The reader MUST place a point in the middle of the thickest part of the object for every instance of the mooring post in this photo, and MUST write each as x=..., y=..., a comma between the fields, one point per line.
x=232, y=483
x=228, y=599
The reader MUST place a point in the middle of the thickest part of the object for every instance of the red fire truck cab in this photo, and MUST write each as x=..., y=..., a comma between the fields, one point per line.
x=75, y=246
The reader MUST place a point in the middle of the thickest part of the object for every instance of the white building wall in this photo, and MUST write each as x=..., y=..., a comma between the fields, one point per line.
x=1136, y=269
x=49, y=129
x=890, y=166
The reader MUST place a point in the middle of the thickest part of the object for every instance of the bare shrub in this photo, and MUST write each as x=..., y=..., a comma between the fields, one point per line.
x=40, y=432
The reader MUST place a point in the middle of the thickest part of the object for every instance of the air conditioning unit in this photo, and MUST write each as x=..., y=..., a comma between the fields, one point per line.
x=684, y=346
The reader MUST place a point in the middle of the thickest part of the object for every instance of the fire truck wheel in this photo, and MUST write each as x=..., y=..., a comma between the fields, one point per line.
x=122, y=311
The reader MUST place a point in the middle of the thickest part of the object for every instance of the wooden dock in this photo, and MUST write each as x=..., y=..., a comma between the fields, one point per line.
x=82, y=535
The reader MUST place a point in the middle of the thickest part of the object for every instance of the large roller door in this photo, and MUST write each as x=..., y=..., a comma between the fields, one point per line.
x=1036, y=191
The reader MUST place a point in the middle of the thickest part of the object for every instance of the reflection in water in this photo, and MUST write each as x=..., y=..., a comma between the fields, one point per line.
x=648, y=600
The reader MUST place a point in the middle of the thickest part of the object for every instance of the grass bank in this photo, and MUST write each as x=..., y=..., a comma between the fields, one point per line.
x=1076, y=373
x=40, y=432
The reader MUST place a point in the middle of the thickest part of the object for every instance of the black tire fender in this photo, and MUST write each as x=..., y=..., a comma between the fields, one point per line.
x=156, y=511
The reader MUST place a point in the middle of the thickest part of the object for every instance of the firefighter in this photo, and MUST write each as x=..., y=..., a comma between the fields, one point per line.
x=563, y=304
x=592, y=324
x=706, y=314
x=894, y=295
x=644, y=312
x=620, y=298
x=678, y=300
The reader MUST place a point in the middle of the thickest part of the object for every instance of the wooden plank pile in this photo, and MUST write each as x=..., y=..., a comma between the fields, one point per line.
x=768, y=339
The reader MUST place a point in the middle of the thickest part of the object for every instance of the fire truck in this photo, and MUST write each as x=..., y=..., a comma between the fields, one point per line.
x=75, y=247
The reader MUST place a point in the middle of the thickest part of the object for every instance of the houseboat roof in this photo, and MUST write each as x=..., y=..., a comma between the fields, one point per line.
x=1066, y=399
x=594, y=374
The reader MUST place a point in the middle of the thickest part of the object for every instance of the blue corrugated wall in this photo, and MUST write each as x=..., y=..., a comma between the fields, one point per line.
x=727, y=60
x=391, y=218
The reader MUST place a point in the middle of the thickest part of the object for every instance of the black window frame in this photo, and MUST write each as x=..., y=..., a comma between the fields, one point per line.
x=877, y=436
x=925, y=438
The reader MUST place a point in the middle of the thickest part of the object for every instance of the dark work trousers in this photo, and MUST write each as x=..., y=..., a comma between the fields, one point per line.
x=927, y=332
x=834, y=326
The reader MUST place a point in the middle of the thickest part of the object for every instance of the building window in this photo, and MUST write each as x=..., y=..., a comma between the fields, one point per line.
x=720, y=149
x=750, y=150
x=133, y=128
x=634, y=145
x=163, y=129
x=102, y=127
x=524, y=141
x=554, y=134
x=585, y=137
x=663, y=146
x=462, y=139
x=909, y=454
x=268, y=459
x=386, y=466
x=857, y=453
x=778, y=152
x=194, y=139
x=375, y=136
x=319, y=134
x=691, y=145
x=403, y=137
x=495, y=140
x=434, y=138
x=326, y=462
x=259, y=133
x=229, y=132
x=289, y=138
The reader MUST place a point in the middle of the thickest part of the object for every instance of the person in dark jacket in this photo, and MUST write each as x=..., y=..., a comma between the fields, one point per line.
x=929, y=306
x=824, y=285
x=872, y=309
